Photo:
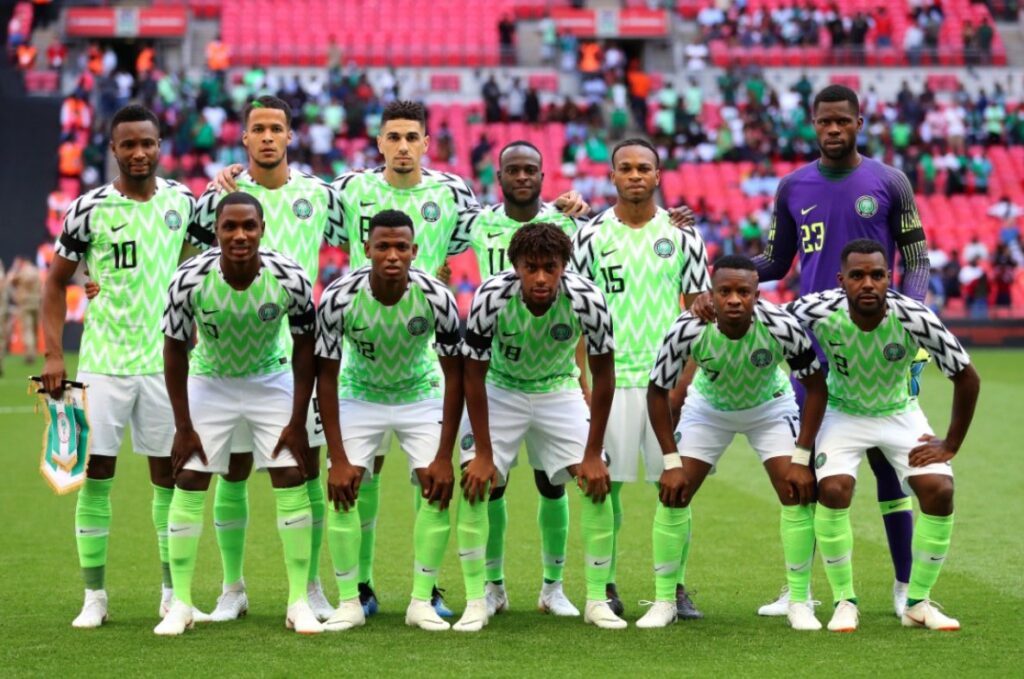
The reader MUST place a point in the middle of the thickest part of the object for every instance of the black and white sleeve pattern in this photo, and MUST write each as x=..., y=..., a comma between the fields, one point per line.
x=75, y=235
x=489, y=300
x=796, y=346
x=447, y=341
x=179, y=314
x=675, y=350
x=203, y=225
x=330, y=317
x=188, y=199
x=930, y=333
x=695, y=267
x=591, y=308
x=301, y=314
x=583, y=255
x=810, y=309
x=466, y=207
x=334, y=229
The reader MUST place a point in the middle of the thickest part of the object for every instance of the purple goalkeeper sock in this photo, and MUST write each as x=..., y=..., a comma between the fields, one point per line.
x=896, y=511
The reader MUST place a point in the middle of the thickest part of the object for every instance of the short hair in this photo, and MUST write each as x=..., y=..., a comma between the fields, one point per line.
x=539, y=239
x=238, y=198
x=394, y=219
x=637, y=141
x=834, y=93
x=734, y=262
x=518, y=142
x=267, y=101
x=134, y=113
x=402, y=109
x=862, y=246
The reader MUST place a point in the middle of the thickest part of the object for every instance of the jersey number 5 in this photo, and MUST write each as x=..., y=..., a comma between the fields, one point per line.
x=814, y=236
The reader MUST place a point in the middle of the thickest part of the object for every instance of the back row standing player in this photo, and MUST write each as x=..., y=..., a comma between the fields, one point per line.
x=819, y=208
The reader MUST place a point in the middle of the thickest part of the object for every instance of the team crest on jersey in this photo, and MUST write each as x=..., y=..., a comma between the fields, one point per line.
x=268, y=312
x=762, y=358
x=417, y=326
x=866, y=206
x=302, y=208
x=172, y=219
x=467, y=441
x=561, y=332
x=819, y=461
x=430, y=211
x=664, y=248
x=894, y=352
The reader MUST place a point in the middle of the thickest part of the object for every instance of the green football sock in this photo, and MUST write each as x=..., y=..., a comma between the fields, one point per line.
x=835, y=540
x=231, y=518
x=669, y=538
x=92, y=530
x=431, y=538
x=616, y=503
x=184, y=526
x=367, y=508
x=295, y=526
x=474, y=541
x=930, y=546
x=681, y=579
x=343, y=537
x=497, y=526
x=796, y=524
x=318, y=507
x=597, y=530
x=161, y=507
x=553, y=520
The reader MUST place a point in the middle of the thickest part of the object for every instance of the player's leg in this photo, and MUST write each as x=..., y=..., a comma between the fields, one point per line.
x=318, y=504
x=898, y=517
x=111, y=399
x=622, y=442
x=553, y=520
x=494, y=559
x=368, y=507
x=231, y=522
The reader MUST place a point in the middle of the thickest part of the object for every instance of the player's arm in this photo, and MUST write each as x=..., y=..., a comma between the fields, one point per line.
x=907, y=232
x=481, y=469
x=468, y=210
x=581, y=363
x=55, y=309
x=572, y=205
x=677, y=394
x=694, y=280
x=592, y=475
x=294, y=436
x=966, y=386
x=774, y=263
x=225, y=179
x=799, y=476
x=186, y=440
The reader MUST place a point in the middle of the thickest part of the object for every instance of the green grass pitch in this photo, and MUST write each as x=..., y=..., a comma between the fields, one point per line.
x=735, y=565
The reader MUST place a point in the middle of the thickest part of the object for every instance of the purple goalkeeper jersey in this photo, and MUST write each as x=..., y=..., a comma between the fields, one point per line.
x=816, y=216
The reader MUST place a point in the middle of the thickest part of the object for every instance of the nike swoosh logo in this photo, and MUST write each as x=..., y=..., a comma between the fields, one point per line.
x=835, y=561
x=357, y=329
x=938, y=558
x=834, y=344
x=294, y=521
x=509, y=334
x=428, y=571
x=608, y=252
x=115, y=229
x=559, y=562
x=207, y=312
x=493, y=235
x=598, y=564
x=363, y=203
x=90, y=531
x=806, y=210
x=177, y=530
x=463, y=555
x=796, y=569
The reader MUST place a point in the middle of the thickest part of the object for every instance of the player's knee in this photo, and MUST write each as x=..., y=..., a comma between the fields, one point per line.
x=188, y=479
x=935, y=494
x=239, y=467
x=378, y=464
x=835, y=492
x=313, y=464
x=545, y=487
x=498, y=492
x=286, y=477
x=101, y=467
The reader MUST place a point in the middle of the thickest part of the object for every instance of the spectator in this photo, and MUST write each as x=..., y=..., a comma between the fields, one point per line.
x=975, y=289
x=983, y=40
x=26, y=287
x=516, y=101
x=531, y=106
x=975, y=250
x=913, y=43
x=479, y=152
x=981, y=168
x=56, y=53
x=1004, y=272
x=548, y=38
x=218, y=56
x=492, y=100
x=506, y=39
x=443, y=145
x=883, y=28
x=590, y=58
x=639, y=89
x=26, y=56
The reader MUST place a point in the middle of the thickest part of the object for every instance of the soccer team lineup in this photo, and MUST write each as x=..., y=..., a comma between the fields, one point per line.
x=605, y=345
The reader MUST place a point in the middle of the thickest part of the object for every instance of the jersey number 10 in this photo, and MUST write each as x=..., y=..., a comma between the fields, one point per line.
x=124, y=255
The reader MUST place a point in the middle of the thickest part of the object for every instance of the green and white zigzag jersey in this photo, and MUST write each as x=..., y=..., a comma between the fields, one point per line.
x=737, y=374
x=300, y=216
x=494, y=229
x=239, y=330
x=387, y=348
x=442, y=207
x=868, y=370
x=642, y=273
x=536, y=354
x=131, y=248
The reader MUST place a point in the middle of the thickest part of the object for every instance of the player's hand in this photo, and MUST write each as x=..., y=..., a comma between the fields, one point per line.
x=296, y=440
x=475, y=479
x=225, y=179
x=801, y=483
x=571, y=204
x=673, y=487
x=343, y=484
x=444, y=274
x=702, y=307
x=186, y=444
x=440, y=480
x=593, y=479
x=682, y=216
x=92, y=288
x=933, y=450
x=53, y=376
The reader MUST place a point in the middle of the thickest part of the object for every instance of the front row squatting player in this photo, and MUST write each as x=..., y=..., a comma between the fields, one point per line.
x=239, y=296
x=383, y=318
x=818, y=209
x=870, y=335
x=739, y=388
x=643, y=263
x=522, y=385
x=130, y=233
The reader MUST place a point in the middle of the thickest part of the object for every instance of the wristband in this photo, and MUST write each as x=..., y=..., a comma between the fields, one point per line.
x=672, y=461
x=801, y=455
